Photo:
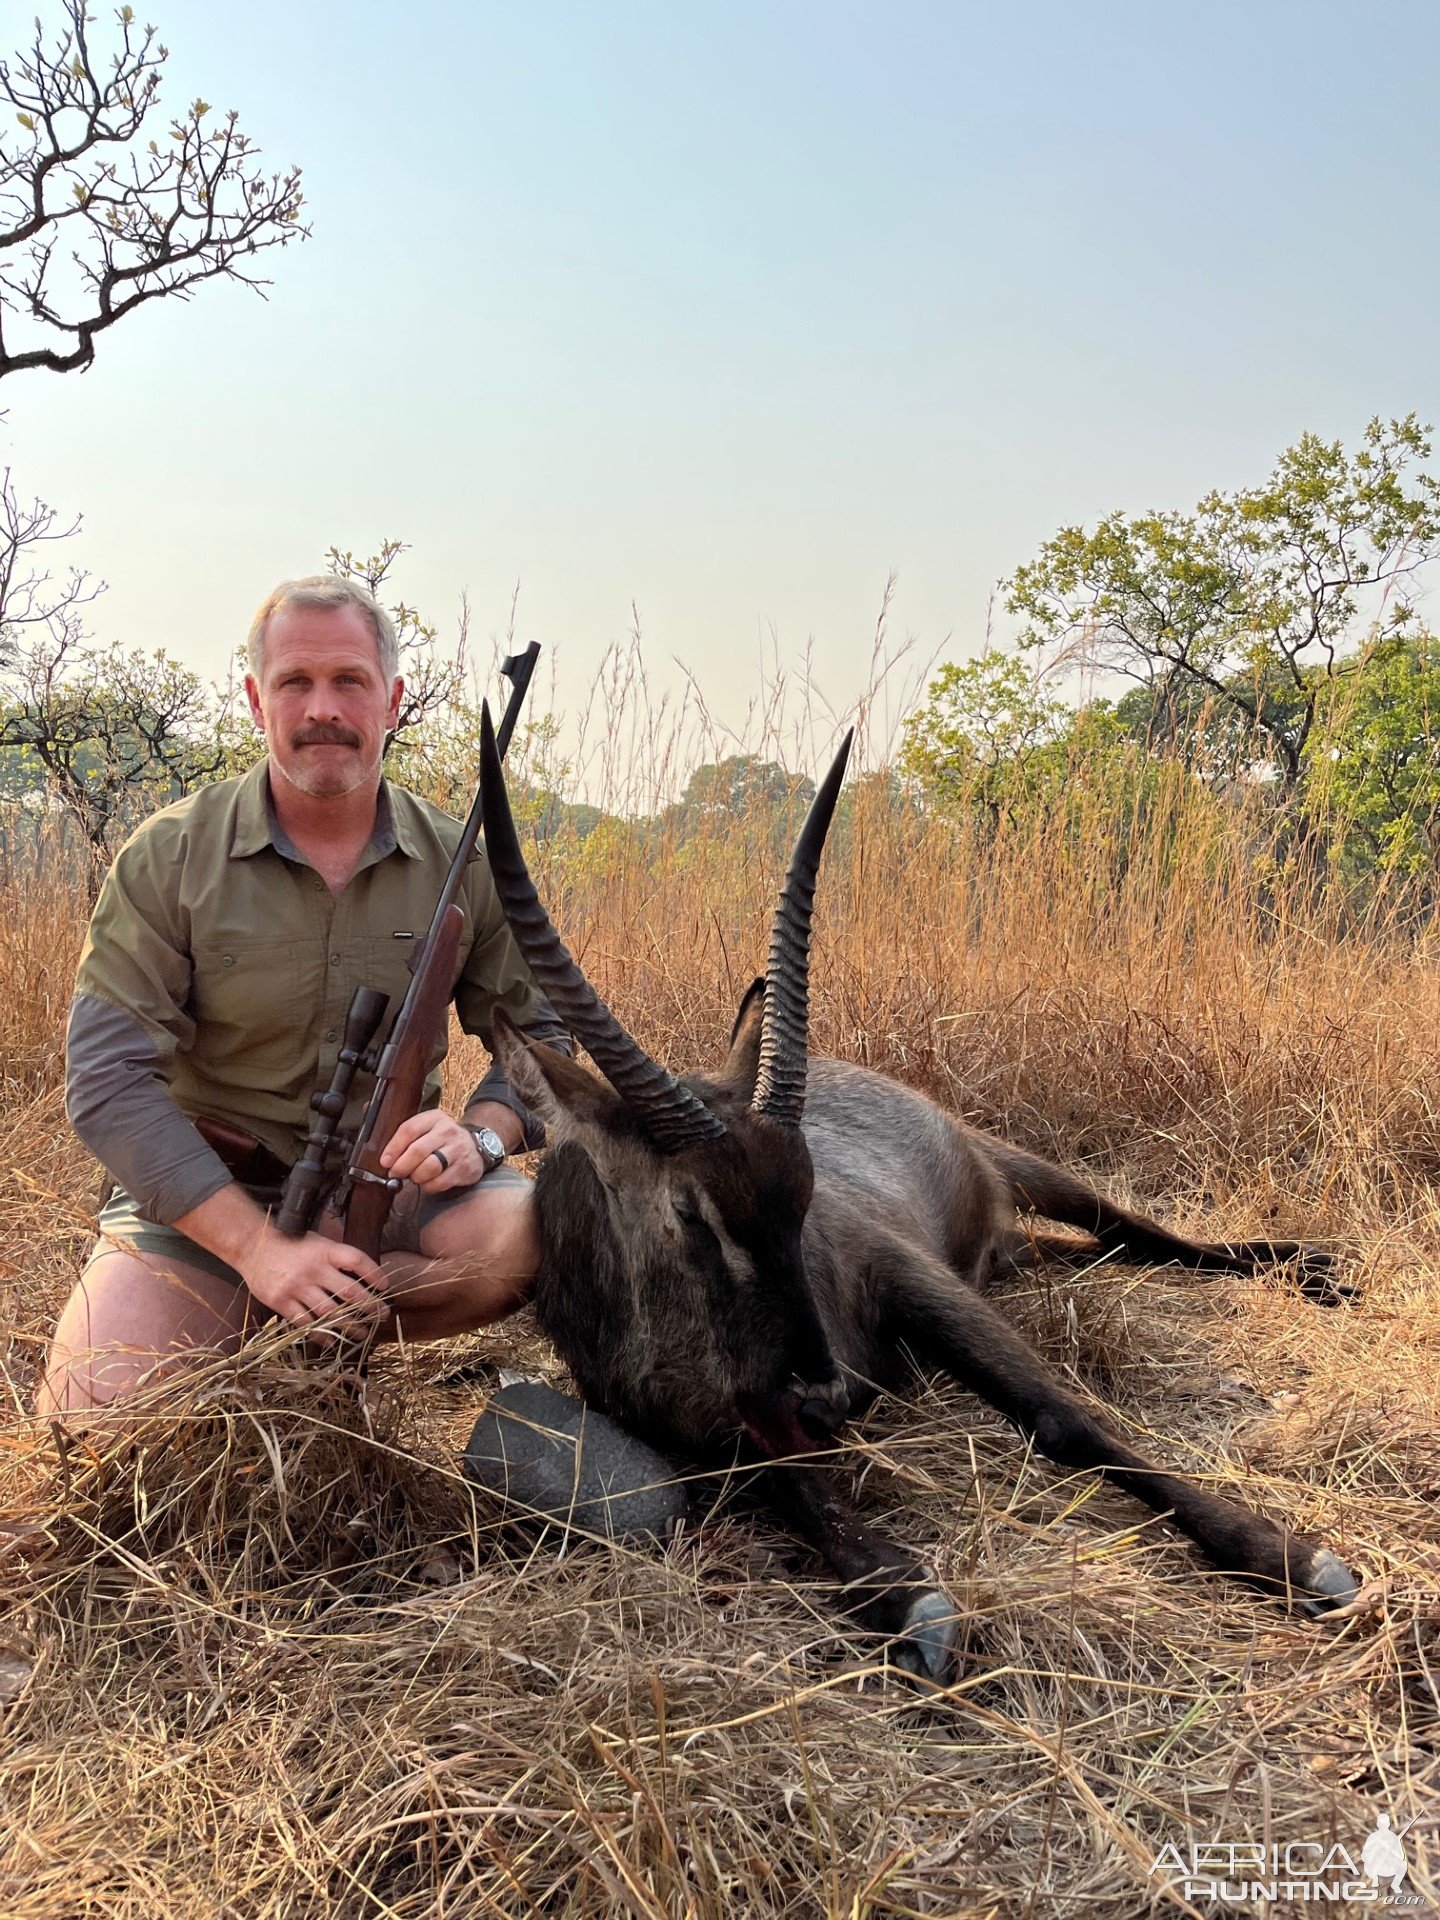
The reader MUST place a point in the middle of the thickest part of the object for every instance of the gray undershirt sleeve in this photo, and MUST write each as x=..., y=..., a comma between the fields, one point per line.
x=119, y=1103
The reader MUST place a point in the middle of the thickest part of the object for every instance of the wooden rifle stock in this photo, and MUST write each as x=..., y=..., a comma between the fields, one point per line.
x=371, y=1189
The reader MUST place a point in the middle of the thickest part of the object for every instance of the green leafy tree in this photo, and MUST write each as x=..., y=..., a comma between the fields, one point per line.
x=108, y=733
x=1377, y=756
x=742, y=793
x=103, y=732
x=981, y=736
x=729, y=789
x=1245, y=608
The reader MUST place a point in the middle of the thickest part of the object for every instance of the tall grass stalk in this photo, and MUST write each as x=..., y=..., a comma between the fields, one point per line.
x=262, y=1654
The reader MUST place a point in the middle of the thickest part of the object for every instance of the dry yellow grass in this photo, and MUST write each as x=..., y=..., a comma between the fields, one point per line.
x=270, y=1658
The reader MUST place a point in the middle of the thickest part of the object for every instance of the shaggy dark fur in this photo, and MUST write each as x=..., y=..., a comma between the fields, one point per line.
x=773, y=1279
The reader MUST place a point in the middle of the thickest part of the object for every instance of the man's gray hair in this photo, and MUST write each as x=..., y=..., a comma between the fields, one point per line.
x=325, y=590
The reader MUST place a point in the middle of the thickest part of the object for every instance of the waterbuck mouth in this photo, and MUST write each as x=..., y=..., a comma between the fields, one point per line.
x=803, y=1418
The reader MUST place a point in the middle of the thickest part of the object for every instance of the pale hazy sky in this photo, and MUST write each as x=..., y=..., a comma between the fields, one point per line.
x=728, y=310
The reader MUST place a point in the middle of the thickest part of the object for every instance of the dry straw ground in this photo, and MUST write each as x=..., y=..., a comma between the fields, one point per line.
x=263, y=1654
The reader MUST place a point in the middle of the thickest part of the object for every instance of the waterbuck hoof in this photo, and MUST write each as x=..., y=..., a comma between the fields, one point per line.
x=925, y=1645
x=1329, y=1584
x=1315, y=1277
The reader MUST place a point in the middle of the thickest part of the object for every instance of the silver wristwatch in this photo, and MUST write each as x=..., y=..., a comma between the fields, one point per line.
x=491, y=1146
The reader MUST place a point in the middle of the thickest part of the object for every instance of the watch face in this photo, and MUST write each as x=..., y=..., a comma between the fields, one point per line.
x=490, y=1143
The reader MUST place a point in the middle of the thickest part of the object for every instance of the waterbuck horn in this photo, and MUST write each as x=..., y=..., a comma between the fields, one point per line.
x=785, y=1032
x=671, y=1115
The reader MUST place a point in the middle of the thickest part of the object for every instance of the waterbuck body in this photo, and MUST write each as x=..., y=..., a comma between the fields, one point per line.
x=760, y=1253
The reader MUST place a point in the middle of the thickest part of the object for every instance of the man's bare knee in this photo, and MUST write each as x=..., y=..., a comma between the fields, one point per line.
x=126, y=1318
x=476, y=1264
x=496, y=1229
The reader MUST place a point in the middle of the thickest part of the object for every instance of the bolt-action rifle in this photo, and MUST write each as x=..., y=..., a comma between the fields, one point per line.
x=364, y=1193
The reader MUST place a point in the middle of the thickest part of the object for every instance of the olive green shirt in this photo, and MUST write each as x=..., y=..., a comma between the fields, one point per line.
x=219, y=967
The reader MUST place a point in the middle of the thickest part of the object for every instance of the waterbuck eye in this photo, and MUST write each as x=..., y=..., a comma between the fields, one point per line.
x=687, y=1208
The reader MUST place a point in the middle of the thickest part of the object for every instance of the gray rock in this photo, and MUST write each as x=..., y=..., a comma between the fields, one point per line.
x=551, y=1457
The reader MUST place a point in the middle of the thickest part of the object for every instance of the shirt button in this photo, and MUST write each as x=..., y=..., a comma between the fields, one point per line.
x=228, y=960
x=334, y=959
x=331, y=1034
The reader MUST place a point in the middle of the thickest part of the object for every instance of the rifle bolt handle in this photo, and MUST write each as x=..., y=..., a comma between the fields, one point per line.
x=391, y=1184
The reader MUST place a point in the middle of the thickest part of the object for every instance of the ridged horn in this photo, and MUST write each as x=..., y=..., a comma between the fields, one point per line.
x=785, y=1031
x=671, y=1115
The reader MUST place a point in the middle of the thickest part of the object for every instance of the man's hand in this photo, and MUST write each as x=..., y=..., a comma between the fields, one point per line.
x=434, y=1151
x=307, y=1279
x=301, y=1280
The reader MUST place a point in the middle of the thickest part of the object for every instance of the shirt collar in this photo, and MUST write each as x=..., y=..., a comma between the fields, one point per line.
x=252, y=813
x=257, y=827
x=395, y=816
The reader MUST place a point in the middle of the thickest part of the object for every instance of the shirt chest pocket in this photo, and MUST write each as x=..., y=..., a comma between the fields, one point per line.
x=385, y=962
x=251, y=1015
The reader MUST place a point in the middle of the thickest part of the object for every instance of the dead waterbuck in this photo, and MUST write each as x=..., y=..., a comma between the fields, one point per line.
x=760, y=1253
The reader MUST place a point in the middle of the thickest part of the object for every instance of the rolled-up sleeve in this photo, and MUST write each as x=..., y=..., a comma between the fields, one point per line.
x=496, y=975
x=127, y=1020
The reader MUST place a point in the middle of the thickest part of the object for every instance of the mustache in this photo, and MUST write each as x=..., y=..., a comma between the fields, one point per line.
x=321, y=735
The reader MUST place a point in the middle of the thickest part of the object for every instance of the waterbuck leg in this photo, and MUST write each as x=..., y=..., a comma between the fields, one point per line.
x=947, y=1324
x=892, y=1591
x=1057, y=1195
x=1021, y=1250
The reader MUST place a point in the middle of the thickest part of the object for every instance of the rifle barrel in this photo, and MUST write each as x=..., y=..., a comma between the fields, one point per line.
x=518, y=668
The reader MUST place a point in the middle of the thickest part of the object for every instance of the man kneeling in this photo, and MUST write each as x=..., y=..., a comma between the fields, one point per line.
x=224, y=949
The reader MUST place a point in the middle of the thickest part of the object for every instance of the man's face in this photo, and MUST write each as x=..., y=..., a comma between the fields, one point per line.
x=322, y=701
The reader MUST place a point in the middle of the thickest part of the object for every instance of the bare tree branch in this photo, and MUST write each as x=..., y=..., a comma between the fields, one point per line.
x=31, y=596
x=96, y=218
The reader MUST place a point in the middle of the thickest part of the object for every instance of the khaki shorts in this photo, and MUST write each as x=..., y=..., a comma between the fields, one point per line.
x=124, y=1229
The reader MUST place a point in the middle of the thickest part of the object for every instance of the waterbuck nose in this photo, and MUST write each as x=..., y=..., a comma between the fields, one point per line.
x=822, y=1411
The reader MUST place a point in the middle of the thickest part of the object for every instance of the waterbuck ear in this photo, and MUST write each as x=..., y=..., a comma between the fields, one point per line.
x=742, y=1062
x=554, y=1087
